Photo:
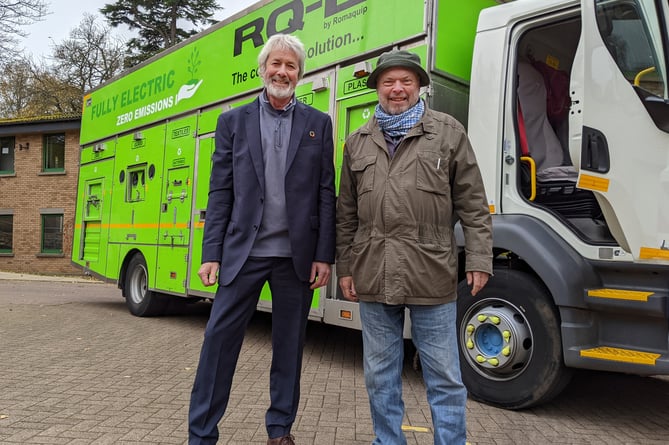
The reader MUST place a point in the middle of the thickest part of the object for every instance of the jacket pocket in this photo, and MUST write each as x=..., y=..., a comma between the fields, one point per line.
x=367, y=266
x=432, y=173
x=433, y=238
x=363, y=170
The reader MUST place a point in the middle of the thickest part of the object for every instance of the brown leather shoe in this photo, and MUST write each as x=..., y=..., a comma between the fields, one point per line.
x=285, y=440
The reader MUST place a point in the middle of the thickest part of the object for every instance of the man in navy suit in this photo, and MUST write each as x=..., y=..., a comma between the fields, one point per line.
x=270, y=218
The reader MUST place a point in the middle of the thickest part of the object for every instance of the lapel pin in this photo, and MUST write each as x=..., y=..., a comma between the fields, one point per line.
x=312, y=134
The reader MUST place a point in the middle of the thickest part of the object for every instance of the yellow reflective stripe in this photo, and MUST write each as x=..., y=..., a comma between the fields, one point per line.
x=595, y=183
x=620, y=294
x=649, y=253
x=135, y=226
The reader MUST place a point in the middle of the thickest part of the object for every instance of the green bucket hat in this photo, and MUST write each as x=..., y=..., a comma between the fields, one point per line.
x=398, y=58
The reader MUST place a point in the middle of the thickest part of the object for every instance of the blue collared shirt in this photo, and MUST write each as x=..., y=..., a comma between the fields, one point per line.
x=275, y=127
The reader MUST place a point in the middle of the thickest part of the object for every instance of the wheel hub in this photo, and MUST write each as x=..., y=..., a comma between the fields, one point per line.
x=497, y=340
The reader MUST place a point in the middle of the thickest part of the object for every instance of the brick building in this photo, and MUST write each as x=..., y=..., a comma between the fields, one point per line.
x=39, y=160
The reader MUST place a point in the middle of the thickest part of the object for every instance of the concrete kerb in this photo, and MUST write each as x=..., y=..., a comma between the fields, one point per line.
x=9, y=276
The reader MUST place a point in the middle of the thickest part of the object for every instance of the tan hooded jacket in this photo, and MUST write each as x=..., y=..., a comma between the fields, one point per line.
x=395, y=217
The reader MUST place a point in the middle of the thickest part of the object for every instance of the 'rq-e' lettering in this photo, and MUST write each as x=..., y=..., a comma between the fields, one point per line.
x=253, y=30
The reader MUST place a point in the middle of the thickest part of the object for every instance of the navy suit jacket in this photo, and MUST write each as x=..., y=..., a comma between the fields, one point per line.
x=237, y=190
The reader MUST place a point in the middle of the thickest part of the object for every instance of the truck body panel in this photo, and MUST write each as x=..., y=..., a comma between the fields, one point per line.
x=580, y=246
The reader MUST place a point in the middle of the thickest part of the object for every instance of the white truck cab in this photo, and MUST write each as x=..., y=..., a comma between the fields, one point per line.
x=569, y=118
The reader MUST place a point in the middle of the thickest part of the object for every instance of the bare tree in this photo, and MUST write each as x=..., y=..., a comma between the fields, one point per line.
x=14, y=15
x=52, y=94
x=90, y=56
x=15, y=88
x=29, y=89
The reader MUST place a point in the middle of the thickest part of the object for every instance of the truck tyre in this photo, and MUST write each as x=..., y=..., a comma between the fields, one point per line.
x=141, y=301
x=510, y=346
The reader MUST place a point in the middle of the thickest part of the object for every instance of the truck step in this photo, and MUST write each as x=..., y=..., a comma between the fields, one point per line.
x=620, y=294
x=647, y=302
x=621, y=355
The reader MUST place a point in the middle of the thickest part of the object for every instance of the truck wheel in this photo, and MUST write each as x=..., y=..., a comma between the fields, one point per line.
x=141, y=301
x=510, y=346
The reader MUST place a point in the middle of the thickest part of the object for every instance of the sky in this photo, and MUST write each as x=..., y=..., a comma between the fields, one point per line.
x=66, y=15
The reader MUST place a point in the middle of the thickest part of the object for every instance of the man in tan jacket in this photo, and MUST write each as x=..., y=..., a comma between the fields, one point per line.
x=408, y=175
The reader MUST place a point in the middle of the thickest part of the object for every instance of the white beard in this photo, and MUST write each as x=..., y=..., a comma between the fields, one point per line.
x=279, y=92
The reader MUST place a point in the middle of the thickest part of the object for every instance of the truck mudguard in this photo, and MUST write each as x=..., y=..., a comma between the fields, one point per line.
x=562, y=269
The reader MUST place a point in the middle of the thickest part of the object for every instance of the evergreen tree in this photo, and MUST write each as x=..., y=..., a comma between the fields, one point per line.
x=158, y=23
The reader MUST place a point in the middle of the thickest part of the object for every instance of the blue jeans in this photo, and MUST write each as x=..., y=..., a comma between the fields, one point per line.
x=434, y=334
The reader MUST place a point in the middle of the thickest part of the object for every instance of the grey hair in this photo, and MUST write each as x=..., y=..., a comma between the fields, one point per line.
x=282, y=42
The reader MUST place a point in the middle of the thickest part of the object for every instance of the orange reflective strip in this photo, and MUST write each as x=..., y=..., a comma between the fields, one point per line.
x=649, y=253
x=593, y=183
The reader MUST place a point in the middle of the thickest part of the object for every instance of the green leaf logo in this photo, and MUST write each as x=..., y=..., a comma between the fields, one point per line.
x=193, y=65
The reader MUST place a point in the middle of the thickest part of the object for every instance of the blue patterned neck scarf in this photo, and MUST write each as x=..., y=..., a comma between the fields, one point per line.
x=396, y=125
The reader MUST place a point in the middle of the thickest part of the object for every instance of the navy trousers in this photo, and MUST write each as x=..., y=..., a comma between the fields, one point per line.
x=231, y=312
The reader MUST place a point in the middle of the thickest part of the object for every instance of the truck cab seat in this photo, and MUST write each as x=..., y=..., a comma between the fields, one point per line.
x=553, y=182
x=542, y=141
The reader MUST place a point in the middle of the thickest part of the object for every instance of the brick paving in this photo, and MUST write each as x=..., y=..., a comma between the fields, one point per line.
x=77, y=368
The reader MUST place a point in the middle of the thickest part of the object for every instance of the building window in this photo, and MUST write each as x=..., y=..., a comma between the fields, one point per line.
x=7, y=155
x=6, y=233
x=52, y=233
x=54, y=153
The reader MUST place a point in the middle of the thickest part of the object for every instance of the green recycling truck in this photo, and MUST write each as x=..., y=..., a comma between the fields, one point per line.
x=581, y=245
x=148, y=135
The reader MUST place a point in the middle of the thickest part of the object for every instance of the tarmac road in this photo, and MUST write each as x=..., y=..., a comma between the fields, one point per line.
x=77, y=368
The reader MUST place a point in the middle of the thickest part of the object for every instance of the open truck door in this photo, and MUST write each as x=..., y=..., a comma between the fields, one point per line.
x=619, y=120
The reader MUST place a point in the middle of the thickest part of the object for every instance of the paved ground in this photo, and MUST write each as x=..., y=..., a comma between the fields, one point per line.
x=77, y=368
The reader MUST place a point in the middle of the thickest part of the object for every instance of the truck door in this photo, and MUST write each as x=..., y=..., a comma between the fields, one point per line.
x=90, y=244
x=619, y=122
x=175, y=205
x=201, y=190
x=92, y=219
x=315, y=91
